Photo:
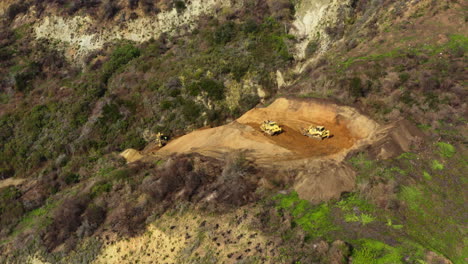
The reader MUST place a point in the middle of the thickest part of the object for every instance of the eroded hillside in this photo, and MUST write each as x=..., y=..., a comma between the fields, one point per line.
x=82, y=81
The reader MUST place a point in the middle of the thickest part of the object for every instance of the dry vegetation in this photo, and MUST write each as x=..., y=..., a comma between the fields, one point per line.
x=61, y=125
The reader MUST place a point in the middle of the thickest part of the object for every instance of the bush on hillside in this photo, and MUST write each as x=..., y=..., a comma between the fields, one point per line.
x=16, y=9
x=67, y=218
x=224, y=33
x=121, y=56
x=110, y=9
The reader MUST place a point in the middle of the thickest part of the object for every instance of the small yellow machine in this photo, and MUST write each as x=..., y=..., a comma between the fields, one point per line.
x=318, y=132
x=270, y=128
x=159, y=138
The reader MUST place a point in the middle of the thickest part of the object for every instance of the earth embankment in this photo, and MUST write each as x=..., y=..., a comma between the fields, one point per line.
x=316, y=166
x=292, y=115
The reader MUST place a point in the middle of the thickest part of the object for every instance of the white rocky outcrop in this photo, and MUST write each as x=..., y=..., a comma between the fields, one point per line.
x=79, y=35
x=311, y=19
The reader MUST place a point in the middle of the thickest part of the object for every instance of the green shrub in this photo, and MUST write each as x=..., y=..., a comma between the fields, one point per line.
x=375, y=252
x=250, y=26
x=213, y=88
x=110, y=113
x=191, y=110
x=352, y=202
x=179, y=6
x=23, y=79
x=413, y=197
x=15, y=9
x=239, y=69
x=11, y=209
x=407, y=99
x=355, y=87
x=166, y=105
x=71, y=178
x=446, y=150
x=436, y=165
x=458, y=45
x=278, y=45
x=404, y=77
x=366, y=218
x=100, y=188
x=37, y=118
x=133, y=140
x=311, y=48
x=427, y=176
x=118, y=175
x=9, y=193
x=224, y=33
x=121, y=56
x=315, y=220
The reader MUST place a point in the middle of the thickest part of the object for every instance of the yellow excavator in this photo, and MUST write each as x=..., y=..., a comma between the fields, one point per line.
x=317, y=132
x=270, y=128
x=159, y=138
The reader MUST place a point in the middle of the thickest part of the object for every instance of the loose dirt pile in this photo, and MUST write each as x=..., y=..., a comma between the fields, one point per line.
x=10, y=182
x=315, y=165
x=346, y=125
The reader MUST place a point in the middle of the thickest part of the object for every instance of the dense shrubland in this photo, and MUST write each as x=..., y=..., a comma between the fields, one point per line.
x=62, y=126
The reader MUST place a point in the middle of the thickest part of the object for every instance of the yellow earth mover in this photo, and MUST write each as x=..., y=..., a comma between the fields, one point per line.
x=270, y=128
x=318, y=132
x=159, y=138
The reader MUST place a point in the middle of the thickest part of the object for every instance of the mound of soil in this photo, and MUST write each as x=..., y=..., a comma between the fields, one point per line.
x=292, y=115
x=316, y=166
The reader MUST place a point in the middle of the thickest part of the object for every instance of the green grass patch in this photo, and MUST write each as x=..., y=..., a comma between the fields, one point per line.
x=315, y=220
x=427, y=176
x=390, y=224
x=446, y=150
x=457, y=46
x=120, y=56
x=356, y=209
x=371, y=251
x=37, y=219
x=117, y=175
x=436, y=165
x=363, y=165
x=413, y=197
x=408, y=156
x=100, y=188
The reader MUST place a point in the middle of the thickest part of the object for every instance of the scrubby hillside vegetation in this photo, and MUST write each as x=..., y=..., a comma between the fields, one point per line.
x=81, y=81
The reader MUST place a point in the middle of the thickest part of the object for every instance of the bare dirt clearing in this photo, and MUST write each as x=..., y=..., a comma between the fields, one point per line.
x=346, y=125
x=316, y=167
x=10, y=182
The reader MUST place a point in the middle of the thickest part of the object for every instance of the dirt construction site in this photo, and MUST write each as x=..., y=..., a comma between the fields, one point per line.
x=317, y=165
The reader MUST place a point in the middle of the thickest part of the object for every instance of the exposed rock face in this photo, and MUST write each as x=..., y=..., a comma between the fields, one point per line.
x=80, y=35
x=311, y=20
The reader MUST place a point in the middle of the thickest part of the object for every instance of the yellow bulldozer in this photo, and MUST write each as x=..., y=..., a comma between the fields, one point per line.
x=317, y=132
x=270, y=128
x=159, y=138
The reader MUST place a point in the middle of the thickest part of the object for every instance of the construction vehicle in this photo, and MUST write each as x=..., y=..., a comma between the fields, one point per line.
x=317, y=132
x=159, y=138
x=270, y=128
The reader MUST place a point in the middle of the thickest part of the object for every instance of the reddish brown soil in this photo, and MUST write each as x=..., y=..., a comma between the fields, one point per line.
x=347, y=126
x=292, y=139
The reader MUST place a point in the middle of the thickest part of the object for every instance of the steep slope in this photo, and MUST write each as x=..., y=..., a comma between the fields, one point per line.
x=81, y=81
